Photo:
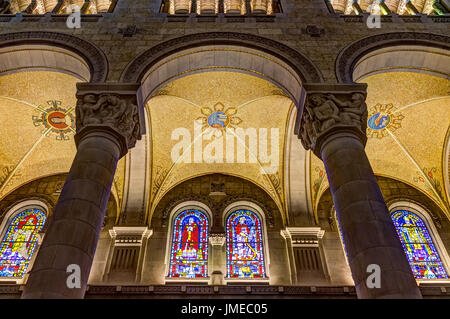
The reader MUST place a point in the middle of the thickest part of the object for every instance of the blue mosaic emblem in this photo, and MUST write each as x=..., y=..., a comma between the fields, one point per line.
x=381, y=118
x=378, y=121
x=217, y=120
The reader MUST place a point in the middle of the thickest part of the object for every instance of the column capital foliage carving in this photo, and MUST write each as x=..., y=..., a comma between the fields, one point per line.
x=110, y=108
x=331, y=109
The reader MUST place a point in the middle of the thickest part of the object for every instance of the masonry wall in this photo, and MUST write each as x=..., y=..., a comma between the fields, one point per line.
x=287, y=28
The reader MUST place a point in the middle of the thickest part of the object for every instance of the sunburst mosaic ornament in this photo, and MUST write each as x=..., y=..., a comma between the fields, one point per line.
x=56, y=119
x=218, y=118
x=383, y=117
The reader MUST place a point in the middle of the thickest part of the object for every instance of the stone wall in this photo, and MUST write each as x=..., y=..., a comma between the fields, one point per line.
x=289, y=28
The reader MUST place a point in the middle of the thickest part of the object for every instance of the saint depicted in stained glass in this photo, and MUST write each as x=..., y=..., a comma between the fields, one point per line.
x=189, y=251
x=418, y=246
x=245, y=253
x=19, y=242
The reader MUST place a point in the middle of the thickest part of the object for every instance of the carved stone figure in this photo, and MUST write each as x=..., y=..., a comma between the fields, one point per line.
x=323, y=111
x=352, y=112
x=112, y=110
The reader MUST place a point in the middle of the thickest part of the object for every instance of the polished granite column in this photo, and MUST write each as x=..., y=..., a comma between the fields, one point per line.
x=107, y=120
x=332, y=123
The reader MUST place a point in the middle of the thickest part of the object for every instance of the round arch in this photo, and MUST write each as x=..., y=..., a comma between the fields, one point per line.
x=28, y=50
x=396, y=51
x=229, y=51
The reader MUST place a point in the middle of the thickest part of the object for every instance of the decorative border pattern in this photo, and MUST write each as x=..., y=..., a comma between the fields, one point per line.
x=94, y=57
x=349, y=56
x=306, y=70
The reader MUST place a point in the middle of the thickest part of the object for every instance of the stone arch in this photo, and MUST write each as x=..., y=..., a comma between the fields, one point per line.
x=231, y=51
x=419, y=52
x=80, y=57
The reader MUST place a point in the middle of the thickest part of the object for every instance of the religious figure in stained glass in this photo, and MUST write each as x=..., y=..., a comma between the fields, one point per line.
x=245, y=253
x=19, y=242
x=189, y=251
x=418, y=245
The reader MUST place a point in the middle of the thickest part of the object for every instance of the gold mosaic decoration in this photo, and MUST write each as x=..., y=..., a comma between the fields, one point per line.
x=382, y=117
x=218, y=118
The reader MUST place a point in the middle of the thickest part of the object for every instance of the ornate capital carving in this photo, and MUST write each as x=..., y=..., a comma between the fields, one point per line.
x=329, y=109
x=109, y=107
x=217, y=239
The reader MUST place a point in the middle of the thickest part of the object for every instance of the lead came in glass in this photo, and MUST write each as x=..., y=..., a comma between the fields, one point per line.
x=189, y=250
x=19, y=242
x=419, y=248
x=245, y=252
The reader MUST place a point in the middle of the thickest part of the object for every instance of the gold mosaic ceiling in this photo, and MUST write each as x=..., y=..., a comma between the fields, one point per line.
x=409, y=120
x=37, y=125
x=220, y=102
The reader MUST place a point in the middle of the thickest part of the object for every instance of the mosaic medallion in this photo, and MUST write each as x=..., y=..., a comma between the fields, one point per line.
x=56, y=119
x=383, y=118
x=219, y=118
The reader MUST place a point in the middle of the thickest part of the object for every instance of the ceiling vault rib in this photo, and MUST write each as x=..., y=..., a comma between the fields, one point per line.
x=13, y=172
x=403, y=148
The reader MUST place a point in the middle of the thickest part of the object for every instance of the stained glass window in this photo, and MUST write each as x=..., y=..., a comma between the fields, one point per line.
x=189, y=250
x=418, y=246
x=245, y=251
x=19, y=242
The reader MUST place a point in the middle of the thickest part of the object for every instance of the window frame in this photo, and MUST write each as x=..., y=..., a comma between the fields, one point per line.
x=178, y=209
x=422, y=213
x=12, y=212
x=246, y=205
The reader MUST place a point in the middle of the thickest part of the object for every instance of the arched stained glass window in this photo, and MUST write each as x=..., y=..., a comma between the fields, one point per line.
x=189, y=250
x=418, y=245
x=245, y=251
x=19, y=242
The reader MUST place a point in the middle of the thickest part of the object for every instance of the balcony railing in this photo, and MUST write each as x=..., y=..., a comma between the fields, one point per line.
x=56, y=6
x=388, y=7
x=229, y=7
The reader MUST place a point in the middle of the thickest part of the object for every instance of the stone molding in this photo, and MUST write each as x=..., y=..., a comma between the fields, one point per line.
x=350, y=55
x=136, y=69
x=217, y=239
x=94, y=57
x=328, y=109
x=110, y=108
x=129, y=236
x=303, y=236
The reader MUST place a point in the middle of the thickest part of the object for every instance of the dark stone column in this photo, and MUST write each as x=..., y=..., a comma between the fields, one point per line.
x=107, y=120
x=333, y=121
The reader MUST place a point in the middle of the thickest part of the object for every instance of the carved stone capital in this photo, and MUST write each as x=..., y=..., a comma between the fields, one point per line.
x=110, y=108
x=329, y=109
x=217, y=239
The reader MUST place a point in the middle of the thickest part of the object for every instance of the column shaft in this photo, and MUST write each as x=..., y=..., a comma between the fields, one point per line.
x=77, y=220
x=367, y=229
